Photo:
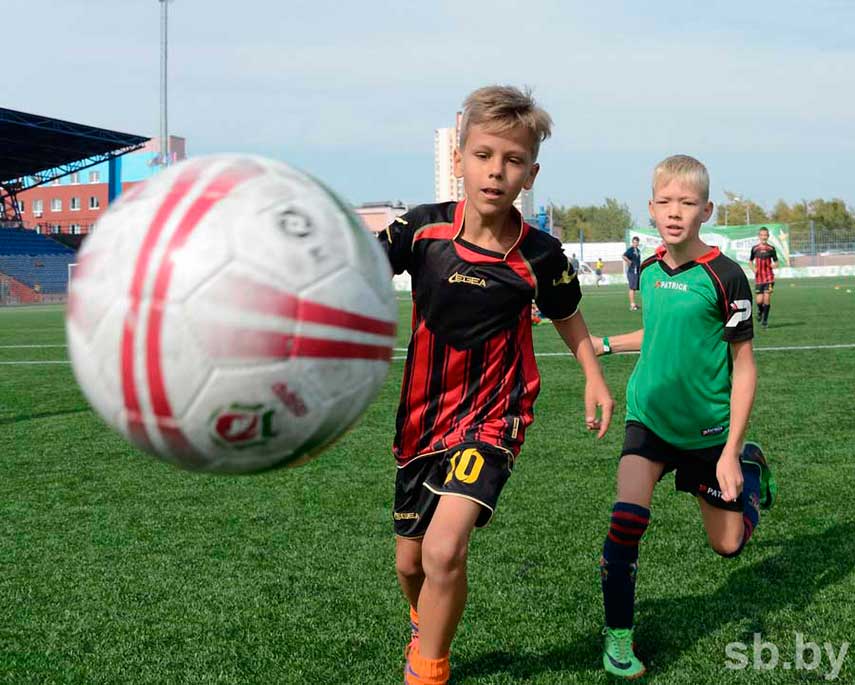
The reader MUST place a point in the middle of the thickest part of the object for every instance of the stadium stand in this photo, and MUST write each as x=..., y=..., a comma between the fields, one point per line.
x=13, y=292
x=16, y=241
x=35, y=260
x=38, y=150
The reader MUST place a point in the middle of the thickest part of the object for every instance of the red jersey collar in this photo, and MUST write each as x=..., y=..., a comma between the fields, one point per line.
x=708, y=257
x=460, y=211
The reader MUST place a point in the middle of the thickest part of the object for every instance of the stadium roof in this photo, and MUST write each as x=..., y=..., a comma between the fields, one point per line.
x=32, y=143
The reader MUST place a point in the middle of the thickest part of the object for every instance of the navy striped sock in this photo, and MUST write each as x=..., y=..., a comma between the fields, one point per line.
x=619, y=563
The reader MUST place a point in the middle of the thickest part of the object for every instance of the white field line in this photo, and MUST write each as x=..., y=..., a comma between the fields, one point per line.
x=784, y=348
x=26, y=308
x=43, y=329
x=18, y=347
x=32, y=363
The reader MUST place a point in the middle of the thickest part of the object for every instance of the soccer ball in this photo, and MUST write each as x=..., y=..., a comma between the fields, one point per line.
x=231, y=315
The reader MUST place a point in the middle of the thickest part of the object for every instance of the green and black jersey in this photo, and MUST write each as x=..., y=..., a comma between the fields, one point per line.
x=680, y=388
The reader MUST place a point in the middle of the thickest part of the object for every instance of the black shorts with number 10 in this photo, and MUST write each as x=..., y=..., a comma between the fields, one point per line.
x=474, y=470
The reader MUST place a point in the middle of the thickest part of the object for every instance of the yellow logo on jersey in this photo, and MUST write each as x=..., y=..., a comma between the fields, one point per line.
x=468, y=280
x=400, y=220
x=566, y=277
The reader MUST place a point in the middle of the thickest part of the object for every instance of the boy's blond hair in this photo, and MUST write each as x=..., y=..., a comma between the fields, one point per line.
x=686, y=169
x=501, y=108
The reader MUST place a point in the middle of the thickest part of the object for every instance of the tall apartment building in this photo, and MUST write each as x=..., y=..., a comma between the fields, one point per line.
x=447, y=187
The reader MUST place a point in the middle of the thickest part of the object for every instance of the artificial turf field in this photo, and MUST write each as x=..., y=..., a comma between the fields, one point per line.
x=116, y=568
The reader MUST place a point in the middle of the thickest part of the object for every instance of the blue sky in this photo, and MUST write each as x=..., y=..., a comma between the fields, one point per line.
x=763, y=92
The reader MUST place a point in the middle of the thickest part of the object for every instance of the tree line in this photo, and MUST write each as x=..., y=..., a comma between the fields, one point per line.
x=598, y=223
x=609, y=221
x=831, y=215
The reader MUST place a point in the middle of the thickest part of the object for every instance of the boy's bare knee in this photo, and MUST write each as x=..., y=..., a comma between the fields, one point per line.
x=444, y=557
x=728, y=546
x=409, y=567
x=408, y=560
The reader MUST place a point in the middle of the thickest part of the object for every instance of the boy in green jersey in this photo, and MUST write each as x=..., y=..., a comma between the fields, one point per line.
x=688, y=399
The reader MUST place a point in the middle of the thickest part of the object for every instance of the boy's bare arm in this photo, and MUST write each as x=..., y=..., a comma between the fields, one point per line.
x=627, y=342
x=575, y=334
x=729, y=471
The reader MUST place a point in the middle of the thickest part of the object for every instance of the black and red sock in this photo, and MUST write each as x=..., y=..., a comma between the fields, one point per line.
x=619, y=563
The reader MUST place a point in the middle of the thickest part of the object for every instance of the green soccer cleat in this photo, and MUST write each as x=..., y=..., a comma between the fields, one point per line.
x=752, y=454
x=618, y=656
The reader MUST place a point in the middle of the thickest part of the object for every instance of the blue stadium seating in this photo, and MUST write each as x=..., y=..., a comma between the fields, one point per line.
x=35, y=260
x=20, y=241
x=48, y=271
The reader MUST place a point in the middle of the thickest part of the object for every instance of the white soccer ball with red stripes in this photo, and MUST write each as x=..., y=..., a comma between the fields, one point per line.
x=231, y=314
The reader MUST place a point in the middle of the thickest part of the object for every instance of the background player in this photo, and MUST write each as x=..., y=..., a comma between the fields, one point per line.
x=684, y=411
x=632, y=259
x=470, y=378
x=763, y=259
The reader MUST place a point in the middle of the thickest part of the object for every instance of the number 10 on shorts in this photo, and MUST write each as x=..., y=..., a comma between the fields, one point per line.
x=465, y=466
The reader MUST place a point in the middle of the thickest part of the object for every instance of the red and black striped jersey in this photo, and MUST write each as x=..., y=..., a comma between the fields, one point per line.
x=470, y=373
x=763, y=256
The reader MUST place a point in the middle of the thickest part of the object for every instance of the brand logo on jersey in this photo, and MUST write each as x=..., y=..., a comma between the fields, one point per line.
x=673, y=285
x=566, y=277
x=468, y=280
x=400, y=220
x=741, y=312
x=715, y=430
x=406, y=516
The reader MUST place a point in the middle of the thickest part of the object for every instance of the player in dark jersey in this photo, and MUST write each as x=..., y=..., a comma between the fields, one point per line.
x=470, y=378
x=688, y=399
x=632, y=259
x=764, y=258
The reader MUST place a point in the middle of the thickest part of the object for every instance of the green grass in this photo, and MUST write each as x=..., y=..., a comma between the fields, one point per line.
x=116, y=568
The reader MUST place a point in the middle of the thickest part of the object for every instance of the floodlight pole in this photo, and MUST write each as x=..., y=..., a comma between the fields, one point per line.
x=735, y=197
x=164, y=128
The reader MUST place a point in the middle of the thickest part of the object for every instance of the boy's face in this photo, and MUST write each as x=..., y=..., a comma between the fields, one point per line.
x=678, y=209
x=495, y=168
x=764, y=237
